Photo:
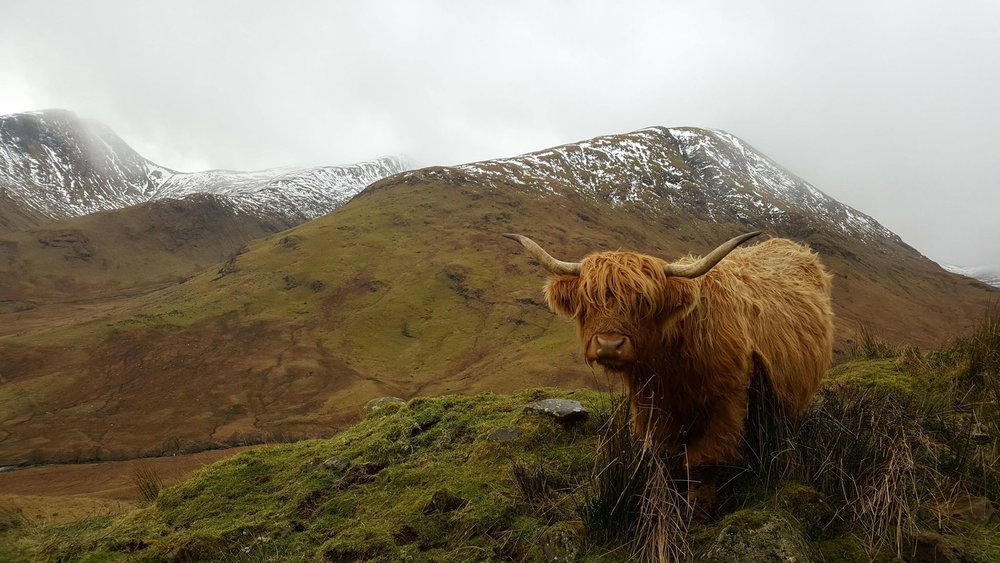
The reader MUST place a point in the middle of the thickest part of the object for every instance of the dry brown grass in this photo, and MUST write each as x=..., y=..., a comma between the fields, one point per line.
x=869, y=344
x=147, y=481
x=634, y=498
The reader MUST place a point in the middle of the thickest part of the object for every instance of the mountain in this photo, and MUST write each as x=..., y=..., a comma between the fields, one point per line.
x=408, y=289
x=986, y=274
x=124, y=251
x=58, y=165
x=709, y=174
x=55, y=165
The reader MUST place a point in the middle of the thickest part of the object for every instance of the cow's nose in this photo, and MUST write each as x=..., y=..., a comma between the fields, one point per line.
x=611, y=349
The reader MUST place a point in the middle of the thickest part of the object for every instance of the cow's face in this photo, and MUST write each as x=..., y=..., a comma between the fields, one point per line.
x=623, y=304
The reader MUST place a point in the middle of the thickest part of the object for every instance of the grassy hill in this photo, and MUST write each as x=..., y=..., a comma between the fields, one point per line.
x=463, y=478
x=124, y=250
x=408, y=290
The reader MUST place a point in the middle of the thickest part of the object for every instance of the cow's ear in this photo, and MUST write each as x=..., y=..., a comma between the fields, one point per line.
x=679, y=299
x=562, y=295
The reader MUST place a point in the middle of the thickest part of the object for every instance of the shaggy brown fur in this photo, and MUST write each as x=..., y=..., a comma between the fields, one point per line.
x=697, y=340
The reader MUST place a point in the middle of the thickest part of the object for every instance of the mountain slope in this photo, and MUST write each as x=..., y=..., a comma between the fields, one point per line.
x=123, y=250
x=15, y=215
x=55, y=165
x=709, y=174
x=59, y=165
x=409, y=289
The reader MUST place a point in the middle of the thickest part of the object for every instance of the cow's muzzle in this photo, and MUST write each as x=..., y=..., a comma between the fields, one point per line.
x=611, y=350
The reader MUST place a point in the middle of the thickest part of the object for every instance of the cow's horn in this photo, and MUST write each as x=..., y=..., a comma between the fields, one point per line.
x=706, y=263
x=557, y=267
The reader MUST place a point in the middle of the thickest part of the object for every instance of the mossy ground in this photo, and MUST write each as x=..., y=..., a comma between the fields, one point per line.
x=423, y=480
x=373, y=498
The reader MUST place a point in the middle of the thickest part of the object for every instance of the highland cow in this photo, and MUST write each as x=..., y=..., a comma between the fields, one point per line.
x=688, y=336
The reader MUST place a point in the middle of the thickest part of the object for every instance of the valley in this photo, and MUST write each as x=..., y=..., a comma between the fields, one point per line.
x=178, y=326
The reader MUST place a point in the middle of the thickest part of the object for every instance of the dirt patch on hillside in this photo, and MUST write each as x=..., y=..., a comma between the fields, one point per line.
x=108, y=480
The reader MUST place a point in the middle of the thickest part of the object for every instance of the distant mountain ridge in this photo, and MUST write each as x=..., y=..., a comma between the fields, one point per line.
x=986, y=274
x=709, y=173
x=55, y=165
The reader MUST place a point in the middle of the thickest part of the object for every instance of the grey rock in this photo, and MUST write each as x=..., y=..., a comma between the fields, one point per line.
x=931, y=547
x=561, y=543
x=977, y=510
x=505, y=434
x=382, y=403
x=564, y=411
x=757, y=537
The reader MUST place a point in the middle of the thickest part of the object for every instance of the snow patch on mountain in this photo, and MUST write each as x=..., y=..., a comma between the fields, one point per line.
x=301, y=193
x=59, y=166
x=711, y=173
x=595, y=168
x=986, y=274
x=747, y=178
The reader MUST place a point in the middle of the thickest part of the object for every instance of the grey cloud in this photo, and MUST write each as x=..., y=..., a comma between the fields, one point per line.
x=887, y=106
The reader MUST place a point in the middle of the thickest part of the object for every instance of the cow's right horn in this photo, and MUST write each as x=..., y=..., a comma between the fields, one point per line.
x=706, y=263
x=554, y=266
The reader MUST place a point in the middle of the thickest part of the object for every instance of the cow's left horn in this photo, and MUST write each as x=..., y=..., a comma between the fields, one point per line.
x=706, y=263
x=557, y=267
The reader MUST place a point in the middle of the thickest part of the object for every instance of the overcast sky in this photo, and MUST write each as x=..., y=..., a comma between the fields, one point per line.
x=890, y=107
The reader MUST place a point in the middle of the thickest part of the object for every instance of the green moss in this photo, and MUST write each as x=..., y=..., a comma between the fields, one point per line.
x=810, y=508
x=746, y=520
x=422, y=481
x=839, y=550
x=754, y=534
x=889, y=374
x=979, y=542
x=377, y=497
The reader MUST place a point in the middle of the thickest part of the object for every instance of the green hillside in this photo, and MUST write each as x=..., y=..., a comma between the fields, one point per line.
x=480, y=477
x=122, y=251
x=408, y=290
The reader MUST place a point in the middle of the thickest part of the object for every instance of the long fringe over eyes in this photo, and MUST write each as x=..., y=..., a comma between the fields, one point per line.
x=610, y=276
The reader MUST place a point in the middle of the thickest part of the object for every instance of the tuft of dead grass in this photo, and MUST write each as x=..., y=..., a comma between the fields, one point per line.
x=869, y=344
x=147, y=481
x=633, y=498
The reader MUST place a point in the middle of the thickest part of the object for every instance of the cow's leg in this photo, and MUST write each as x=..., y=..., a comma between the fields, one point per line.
x=701, y=493
x=718, y=443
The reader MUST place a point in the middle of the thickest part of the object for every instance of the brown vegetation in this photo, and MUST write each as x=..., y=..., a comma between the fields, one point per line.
x=230, y=359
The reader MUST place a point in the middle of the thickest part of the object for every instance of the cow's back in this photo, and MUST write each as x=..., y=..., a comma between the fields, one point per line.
x=776, y=298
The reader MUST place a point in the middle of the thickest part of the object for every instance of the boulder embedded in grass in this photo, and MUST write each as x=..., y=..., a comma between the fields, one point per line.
x=931, y=547
x=756, y=535
x=337, y=464
x=563, y=411
x=977, y=510
x=561, y=542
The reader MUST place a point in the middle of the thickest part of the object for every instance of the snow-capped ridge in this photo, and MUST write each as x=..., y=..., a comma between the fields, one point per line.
x=709, y=172
x=57, y=165
x=989, y=275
